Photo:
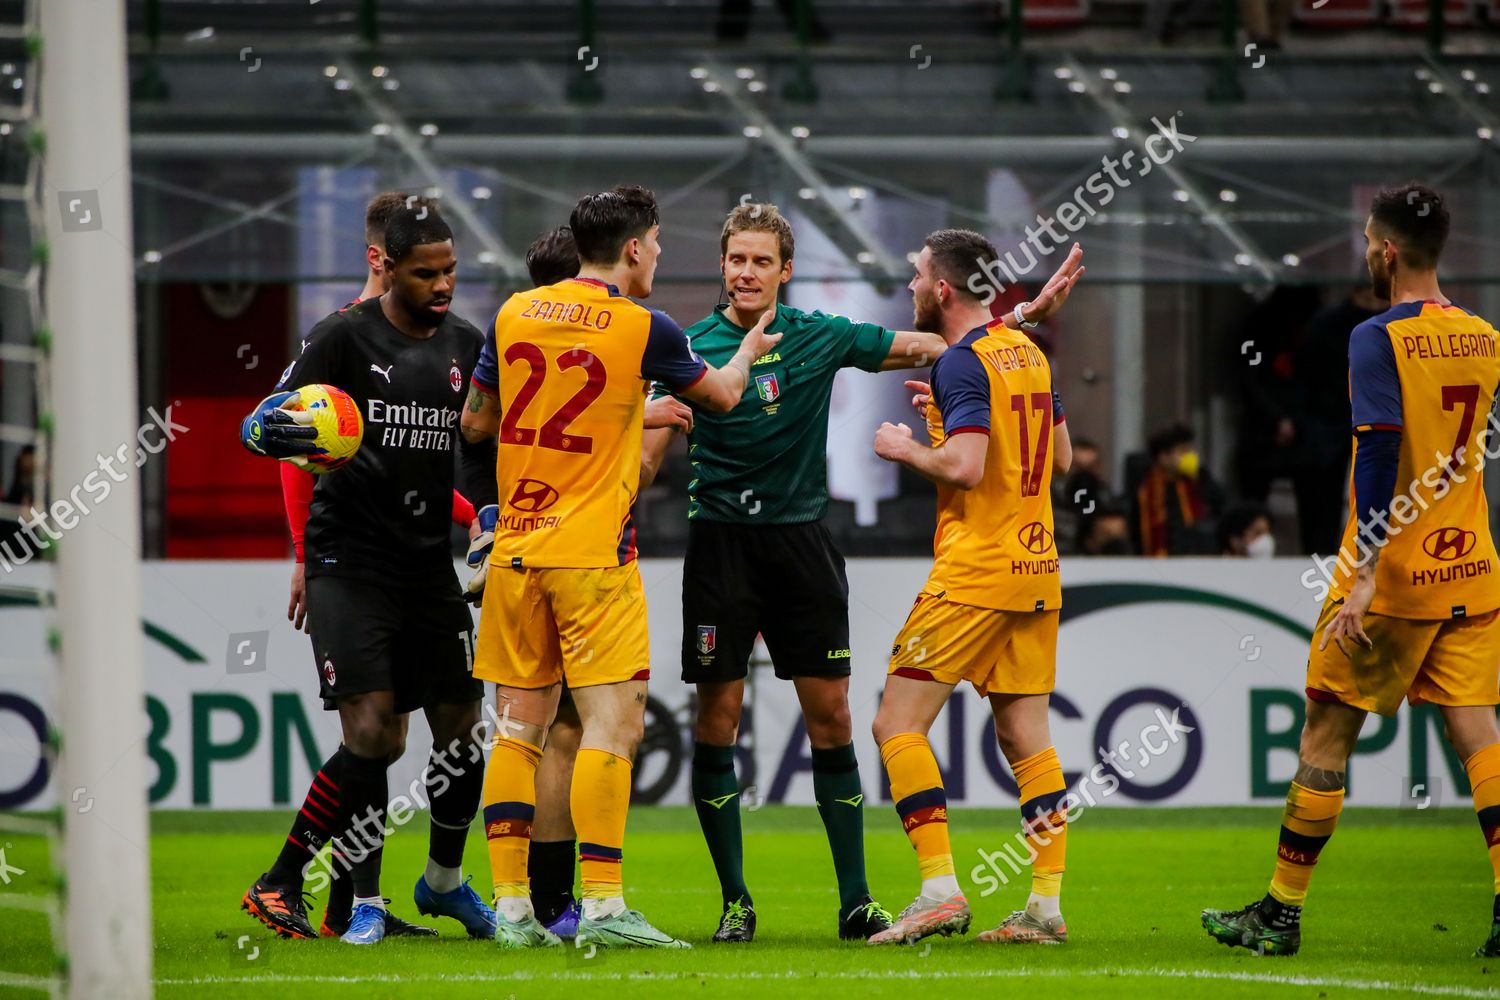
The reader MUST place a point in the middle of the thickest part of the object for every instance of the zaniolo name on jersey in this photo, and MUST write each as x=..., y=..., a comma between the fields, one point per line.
x=1431, y=372
x=568, y=363
x=994, y=546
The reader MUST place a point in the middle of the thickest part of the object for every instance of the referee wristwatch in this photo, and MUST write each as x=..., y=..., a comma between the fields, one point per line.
x=1021, y=317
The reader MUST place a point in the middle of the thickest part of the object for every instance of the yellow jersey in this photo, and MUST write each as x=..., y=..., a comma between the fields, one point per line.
x=571, y=363
x=1429, y=371
x=994, y=546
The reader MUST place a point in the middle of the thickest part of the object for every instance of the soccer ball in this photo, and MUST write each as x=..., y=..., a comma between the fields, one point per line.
x=340, y=427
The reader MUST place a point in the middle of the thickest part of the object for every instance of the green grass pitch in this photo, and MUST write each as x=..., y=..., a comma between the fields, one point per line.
x=1398, y=904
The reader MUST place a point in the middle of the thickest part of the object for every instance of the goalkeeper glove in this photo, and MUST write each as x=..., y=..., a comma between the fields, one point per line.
x=479, y=553
x=276, y=433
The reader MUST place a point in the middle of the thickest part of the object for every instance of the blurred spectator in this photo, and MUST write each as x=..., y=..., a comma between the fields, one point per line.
x=1265, y=22
x=1245, y=531
x=1265, y=351
x=1176, y=499
x=1108, y=533
x=22, y=494
x=1084, y=489
x=23, y=478
x=1322, y=371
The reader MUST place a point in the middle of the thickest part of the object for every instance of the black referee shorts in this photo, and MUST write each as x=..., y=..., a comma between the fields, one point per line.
x=783, y=581
x=417, y=642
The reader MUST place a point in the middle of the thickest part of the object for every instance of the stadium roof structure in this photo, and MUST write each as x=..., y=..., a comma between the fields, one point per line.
x=501, y=108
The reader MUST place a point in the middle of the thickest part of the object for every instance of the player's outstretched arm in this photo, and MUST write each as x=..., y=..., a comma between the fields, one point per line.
x=1054, y=293
x=957, y=462
x=913, y=349
x=481, y=420
x=721, y=389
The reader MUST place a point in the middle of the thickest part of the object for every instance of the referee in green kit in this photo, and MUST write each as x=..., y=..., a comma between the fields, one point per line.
x=759, y=559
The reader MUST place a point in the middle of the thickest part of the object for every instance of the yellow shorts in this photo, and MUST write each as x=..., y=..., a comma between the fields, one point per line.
x=999, y=652
x=1446, y=661
x=537, y=626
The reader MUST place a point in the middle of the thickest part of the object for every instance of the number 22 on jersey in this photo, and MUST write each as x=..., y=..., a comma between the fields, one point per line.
x=553, y=432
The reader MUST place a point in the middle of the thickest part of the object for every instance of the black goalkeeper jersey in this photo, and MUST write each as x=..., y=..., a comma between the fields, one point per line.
x=385, y=516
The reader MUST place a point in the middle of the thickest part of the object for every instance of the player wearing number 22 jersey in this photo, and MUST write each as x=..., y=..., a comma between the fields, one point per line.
x=577, y=355
x=561, y=382
x=989, y=610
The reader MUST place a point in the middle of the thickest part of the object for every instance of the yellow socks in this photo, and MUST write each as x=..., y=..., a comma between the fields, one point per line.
x=1042, y=789
x=1484, y=779
x=917, y=788
x=1306, y=824
x=600, y=801
x=509, y=808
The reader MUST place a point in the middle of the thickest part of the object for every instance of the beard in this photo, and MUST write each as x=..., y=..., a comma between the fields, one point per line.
x=926, y=316
x=1379, y=278
x=422, y=313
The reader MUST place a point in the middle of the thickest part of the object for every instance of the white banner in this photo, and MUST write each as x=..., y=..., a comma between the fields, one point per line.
x=1187, y=672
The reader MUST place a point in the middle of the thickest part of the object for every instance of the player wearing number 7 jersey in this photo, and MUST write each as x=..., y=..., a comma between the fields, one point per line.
x=1412, y=613
x=988, y=612
x=562, y=380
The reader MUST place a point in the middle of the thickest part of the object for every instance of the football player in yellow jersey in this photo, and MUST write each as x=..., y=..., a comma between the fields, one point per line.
x=562, y=381
x=551, y=259
x=988, y=613
x=1412, y=612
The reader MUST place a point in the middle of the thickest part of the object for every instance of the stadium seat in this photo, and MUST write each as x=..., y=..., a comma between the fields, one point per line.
x=221, y=503
x=1051, y=13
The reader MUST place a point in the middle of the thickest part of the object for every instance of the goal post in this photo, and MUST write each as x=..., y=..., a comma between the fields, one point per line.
x=90, y=308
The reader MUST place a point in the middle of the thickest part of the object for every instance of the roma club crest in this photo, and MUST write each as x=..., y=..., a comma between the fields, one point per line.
x=706, y=638
x=768, y=388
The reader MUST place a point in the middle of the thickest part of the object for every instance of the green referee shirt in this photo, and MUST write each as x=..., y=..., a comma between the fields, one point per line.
x=765, y=461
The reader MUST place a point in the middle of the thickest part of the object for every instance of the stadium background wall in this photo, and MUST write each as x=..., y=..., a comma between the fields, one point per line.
x=232, y=721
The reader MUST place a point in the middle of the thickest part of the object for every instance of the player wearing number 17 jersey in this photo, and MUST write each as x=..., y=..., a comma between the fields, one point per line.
x=988, y=613
x=1414, y=609
x=562, y=381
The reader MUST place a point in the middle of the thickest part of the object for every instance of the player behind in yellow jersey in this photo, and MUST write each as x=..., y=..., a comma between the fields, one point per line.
x=553, y=258
x=562, y=380
x=988, y=612
x=1412, y=608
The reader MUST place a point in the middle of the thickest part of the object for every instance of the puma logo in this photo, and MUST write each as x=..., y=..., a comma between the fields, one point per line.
x=852, y=802
x=383, y=372
x=718, y=803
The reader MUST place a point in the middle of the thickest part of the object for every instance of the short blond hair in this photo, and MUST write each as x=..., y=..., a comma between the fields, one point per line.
x=759, y=217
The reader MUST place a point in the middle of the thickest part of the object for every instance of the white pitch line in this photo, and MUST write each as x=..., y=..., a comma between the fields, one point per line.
x=1054, y=973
